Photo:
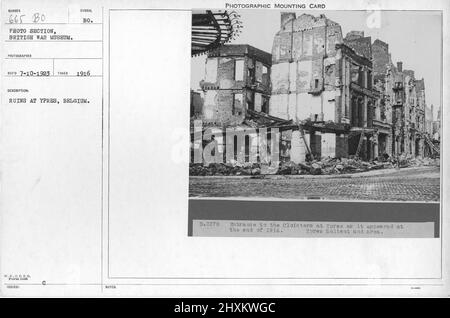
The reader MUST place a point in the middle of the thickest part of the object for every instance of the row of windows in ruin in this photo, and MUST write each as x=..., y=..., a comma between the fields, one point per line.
x=254, y=101
x=361, y=76
x=239, y=71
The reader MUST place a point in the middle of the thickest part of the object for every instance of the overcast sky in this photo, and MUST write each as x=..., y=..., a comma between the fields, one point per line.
x=414, y=37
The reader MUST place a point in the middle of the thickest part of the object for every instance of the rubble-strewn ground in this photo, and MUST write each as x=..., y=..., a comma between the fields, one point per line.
x=327, y=166
x=413, y=183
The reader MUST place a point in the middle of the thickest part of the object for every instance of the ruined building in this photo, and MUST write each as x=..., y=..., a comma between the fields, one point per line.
x=437, y=126
x=403, y=99
x=237, y=78
x=329, y=95
x=321, y=78
x=381, y=59
x=429, y=118
x=417, y=119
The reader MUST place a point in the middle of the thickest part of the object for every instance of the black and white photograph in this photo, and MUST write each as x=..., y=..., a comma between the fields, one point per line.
x=244, y=150
x=335, y=105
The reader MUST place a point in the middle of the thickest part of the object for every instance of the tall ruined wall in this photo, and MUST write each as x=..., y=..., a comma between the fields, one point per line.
x=220, y=85
x=303, y=71
x=236, y=79
x=380, y=57
x=428, y=120
x=382, y=64
x=420, y=88
x=361, y=46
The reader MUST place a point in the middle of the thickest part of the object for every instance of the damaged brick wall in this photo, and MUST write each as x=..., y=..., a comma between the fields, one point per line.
x=380, y=57
x=360, y=44
x=315, y=74
x=304, y=76
x=236, y=79
x=404, y=104
x=301, y=69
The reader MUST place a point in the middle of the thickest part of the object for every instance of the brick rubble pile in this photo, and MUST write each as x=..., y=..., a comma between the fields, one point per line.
x=326, y=166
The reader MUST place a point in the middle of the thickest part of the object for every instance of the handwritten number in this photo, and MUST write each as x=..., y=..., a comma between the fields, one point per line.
x=14, y=18
x=38, y=17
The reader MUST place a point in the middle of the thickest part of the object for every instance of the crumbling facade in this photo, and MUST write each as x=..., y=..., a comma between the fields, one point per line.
x=429, y=118
x=324, y=82
x=237, y=78
x=381, y=59
x=437, y=126
x=363, y=98
x=404, y=103
x=327, y=95
x=417, y=118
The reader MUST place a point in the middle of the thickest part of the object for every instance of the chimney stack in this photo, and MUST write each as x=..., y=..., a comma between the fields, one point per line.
x=400, y=66
x=287, y=16
x=353, y=35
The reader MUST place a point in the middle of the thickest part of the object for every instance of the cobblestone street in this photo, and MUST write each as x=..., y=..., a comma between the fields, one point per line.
x=408, y=184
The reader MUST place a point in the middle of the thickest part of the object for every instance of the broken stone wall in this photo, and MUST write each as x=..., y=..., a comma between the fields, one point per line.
x=360, y=44
x=381, y=62
x=300, y=71
x=236, y=79
x=218, y=105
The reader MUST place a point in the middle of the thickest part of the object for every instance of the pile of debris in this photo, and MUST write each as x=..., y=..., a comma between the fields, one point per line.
x=326, y=166
x=332, y=166
x=315, y=167
x=222, y=169
x=409, y=161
